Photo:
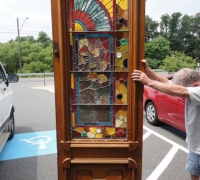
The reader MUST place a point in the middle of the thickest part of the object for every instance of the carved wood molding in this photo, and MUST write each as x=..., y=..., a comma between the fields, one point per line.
x=98, y=144
x=66, y=163
x=130, y=162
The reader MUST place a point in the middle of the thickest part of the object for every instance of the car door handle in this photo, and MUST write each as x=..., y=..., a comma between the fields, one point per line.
x=3, y=89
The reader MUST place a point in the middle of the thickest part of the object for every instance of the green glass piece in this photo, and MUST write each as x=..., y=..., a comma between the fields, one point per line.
x=123, y=41
x=83, y=134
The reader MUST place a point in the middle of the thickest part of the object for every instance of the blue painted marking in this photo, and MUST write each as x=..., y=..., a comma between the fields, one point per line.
x=30, y=144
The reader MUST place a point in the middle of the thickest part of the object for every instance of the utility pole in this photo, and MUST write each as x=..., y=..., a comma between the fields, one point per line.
x=19, y=44
x=19, y=47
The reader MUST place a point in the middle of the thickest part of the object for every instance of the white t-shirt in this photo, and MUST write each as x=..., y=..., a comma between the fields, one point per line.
x=192, y=119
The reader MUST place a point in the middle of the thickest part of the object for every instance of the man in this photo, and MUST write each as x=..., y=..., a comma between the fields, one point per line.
x=185, y=84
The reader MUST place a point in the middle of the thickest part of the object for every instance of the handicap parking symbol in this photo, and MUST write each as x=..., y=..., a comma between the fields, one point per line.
x=38, y=140
x=29, y=145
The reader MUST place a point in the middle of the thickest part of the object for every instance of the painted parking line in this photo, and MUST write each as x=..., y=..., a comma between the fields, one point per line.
x=168, y=158
x=163, y=164
x=29, y=145
x=47, y=88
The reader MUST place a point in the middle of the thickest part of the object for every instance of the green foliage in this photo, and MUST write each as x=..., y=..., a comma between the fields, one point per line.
x=154, y=63
x=178, y=61
x=151, y=29
x=36, y=66
x=157, y=49
x=36, y=56
x=183, y=33
x=44, y=39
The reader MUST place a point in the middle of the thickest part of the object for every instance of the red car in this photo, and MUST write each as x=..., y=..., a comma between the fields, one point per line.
x=162, y=107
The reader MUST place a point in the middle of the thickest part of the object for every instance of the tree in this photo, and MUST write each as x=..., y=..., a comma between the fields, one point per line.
x=151, y=29
x=9, y=56
x=44, y=39
x=34, y=54
x=170, y=26
x=28, y=38
x=36, y=67
x=156, y=50
x=178, y=61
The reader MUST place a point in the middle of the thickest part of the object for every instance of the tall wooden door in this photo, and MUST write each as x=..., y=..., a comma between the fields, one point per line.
x=97, y=44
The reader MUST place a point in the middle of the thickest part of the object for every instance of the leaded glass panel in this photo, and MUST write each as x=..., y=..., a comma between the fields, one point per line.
x=99, y=68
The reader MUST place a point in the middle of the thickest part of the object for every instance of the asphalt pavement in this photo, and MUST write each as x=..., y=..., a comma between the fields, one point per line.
x=164, y=148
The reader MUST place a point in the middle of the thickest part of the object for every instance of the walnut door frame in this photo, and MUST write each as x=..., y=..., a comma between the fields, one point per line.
x=62, y=89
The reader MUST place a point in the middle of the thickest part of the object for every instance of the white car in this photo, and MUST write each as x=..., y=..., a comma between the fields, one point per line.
x=7, y=122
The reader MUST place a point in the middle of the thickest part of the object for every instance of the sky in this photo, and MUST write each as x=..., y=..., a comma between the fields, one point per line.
x=38, y=13
x=156, y=8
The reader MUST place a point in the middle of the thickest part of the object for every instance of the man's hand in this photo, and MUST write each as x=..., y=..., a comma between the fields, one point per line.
x=141, y=77
x=146, y=67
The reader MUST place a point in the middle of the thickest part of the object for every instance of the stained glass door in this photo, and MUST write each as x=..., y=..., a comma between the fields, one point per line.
x=94, y=53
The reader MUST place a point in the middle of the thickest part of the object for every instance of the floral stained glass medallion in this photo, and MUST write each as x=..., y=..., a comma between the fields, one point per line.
x=99, y=68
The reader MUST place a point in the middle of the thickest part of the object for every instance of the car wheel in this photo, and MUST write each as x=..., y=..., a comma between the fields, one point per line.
x=11, y=125
x=151, y=114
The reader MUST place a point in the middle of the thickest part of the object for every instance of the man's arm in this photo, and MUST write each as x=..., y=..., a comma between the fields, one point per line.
x=171, y=89
x=168, y=88
x=152, y=75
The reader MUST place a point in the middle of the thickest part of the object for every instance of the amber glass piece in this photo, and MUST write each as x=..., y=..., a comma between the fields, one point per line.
x=123, y=4
x=110, y=131
x=93, y=130
x=79, y=129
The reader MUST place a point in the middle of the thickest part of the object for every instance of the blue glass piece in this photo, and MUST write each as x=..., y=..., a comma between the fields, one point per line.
x=100, y=17
x=84, y=5
x=111, y=62
x=96, y=15
x=111, y=88
x=81, y=4
x=111, y=45
x=103, y=27
x=94, y=10
x=78, y=112
x=77, y=89
x=90, y=7
x=88, y=4
x=75, y=4
x=101, y=23
x=103, y=18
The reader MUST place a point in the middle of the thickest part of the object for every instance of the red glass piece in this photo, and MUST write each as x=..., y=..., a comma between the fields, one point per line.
x=119, y=26
x=76, y=134
x=93, y=41
x=90, y=47
x=83, y=50
x=107, y=57
x=102, y=54
x=87, y=21
x=84, y=18
x=81, y=15
x=77, y=14
x=121, y=80
x=121, y=132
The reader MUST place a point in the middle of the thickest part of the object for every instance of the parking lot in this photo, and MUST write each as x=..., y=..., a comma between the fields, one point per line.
x=31, y=155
